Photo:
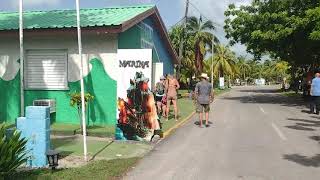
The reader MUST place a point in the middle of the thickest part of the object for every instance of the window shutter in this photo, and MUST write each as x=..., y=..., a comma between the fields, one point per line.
x=46, y=69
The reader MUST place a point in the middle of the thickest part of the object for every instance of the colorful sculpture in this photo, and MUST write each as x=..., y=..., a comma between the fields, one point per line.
x=138, y=114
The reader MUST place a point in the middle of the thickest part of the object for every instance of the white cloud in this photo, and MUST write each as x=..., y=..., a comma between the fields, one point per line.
x=36, y=3
x=214, y=11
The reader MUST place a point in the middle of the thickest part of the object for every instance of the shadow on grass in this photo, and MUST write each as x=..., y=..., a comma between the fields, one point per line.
x=64, y=154
x=33, y=174
x=102, y=149
x=60, y=142
x=313, y=161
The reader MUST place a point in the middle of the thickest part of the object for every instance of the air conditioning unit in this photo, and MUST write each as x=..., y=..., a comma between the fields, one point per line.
x=46, y=102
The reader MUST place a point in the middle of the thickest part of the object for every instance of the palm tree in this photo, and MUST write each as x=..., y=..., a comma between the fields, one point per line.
x=176, y=36
x=243, y=67
x=223, y=61
x=281, y=68
x=203, y=38
x=187, y=61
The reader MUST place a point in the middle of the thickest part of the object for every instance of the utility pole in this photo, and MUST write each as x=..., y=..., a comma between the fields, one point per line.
x=212, y=63
x=183, y=38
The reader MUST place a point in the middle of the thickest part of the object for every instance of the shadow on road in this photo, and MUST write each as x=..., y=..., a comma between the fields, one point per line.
x=269, y=96
x=304, y=124
x=316, y=138
x=313, y=161
x=203, y=122
x=265, y=91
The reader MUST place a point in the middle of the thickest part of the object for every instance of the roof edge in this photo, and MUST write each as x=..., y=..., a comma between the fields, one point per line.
x=154, y=13
x=110, y=7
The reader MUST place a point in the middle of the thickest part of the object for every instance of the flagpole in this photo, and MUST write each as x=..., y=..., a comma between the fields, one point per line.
x=21, y=57
x=84, y=132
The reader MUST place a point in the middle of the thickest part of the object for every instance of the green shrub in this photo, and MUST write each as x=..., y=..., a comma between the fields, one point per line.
x=12, y=151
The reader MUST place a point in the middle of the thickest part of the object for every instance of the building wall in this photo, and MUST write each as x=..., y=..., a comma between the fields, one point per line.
x=100, y=76
x=160, y=51
x=131, y=39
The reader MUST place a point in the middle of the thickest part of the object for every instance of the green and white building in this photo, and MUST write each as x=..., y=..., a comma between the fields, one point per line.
x=52, y=64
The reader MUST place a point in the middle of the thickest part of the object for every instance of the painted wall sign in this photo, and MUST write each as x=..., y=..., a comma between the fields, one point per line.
x=130, y=62
x=134, y=64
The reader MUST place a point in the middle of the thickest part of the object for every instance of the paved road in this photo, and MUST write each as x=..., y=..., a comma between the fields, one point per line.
x=256, y=134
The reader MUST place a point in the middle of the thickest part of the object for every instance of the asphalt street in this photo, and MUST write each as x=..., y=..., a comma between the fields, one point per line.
x=256, y=134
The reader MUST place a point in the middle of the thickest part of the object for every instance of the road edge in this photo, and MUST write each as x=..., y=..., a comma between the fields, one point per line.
x=178, y=125
x=185, y=120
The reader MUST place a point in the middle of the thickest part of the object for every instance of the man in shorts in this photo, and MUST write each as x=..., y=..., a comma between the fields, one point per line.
x=204, y=96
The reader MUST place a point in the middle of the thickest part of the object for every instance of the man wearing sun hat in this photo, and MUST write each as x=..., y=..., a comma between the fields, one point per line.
x=160, y=93
x=204, y=96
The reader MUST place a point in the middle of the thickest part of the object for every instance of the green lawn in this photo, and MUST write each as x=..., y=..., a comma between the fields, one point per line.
x=112, y=159
x=70, y=129
x=185, y=106
x=102, y=169
x=100, y=148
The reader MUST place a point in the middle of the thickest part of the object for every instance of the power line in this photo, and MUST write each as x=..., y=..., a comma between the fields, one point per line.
x=197, y=9
x=180, y=21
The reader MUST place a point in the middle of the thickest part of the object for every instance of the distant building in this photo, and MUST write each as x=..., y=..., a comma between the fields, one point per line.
x=260, y=82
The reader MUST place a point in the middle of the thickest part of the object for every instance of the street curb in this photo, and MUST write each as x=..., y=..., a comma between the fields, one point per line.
x=181, y=123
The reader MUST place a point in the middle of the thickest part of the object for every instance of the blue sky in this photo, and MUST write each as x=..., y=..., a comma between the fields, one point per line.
x=171, y=10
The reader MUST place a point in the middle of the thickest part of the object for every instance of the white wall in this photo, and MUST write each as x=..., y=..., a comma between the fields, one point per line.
x=102, y=46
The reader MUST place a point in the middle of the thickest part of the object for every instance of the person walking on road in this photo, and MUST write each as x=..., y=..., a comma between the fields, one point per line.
x=315, y=93
x=204, y=96
x=171, y=87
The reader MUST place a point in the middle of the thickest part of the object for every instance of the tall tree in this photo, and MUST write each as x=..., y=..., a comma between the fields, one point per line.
x=203, y=37
x=223, y=61
x=286, y=29
x=187, y=62
x=243, y=67
x=281, y=68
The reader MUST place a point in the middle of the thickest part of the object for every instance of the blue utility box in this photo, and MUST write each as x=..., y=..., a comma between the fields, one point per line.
x=35, y=127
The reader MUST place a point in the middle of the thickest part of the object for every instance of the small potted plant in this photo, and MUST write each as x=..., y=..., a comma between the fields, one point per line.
x=75, y=101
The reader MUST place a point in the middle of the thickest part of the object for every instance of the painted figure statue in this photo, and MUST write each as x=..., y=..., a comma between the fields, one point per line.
x=138, y=114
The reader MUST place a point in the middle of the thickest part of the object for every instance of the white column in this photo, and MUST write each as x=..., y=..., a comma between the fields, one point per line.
x=82, y=84
x=21, y=58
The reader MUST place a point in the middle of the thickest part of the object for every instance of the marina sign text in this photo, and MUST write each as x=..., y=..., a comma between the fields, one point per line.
x=134, y=64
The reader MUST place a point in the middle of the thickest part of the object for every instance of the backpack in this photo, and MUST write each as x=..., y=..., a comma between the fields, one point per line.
x=160, y=89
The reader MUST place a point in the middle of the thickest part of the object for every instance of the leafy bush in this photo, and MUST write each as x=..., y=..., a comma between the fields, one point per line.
x=12, y=151
x=75, y=99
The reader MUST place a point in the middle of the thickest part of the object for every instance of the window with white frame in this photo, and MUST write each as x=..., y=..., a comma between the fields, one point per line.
x=46, y=69
x=146, y=36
